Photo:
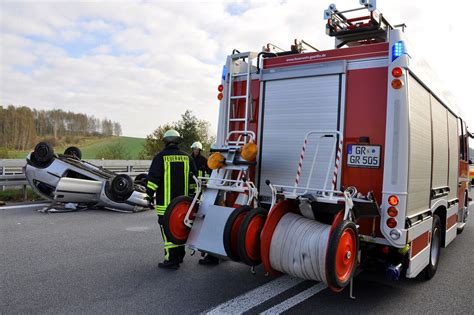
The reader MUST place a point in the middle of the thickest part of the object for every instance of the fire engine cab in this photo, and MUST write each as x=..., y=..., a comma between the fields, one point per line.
x=327, y=161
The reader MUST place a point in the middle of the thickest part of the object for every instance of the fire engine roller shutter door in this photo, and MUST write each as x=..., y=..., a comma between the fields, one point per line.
x=439, y=121
x=292, y=107
x=453, y=156
x=419, y=176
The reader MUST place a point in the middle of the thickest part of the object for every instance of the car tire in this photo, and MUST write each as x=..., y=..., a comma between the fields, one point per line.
x=141, y=179
x=43, y=153
x=120, y=188
x=435, y=248
x=74, y=152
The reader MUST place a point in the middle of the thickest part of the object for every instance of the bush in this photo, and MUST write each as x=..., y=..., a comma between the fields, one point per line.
x=114, y=151
x=4, y=153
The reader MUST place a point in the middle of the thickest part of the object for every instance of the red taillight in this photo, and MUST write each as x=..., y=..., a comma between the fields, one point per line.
x=392, y=211
x=385, y=250
x=393, y=200
x=397, y=84
x=391, y=223
x=397, y=72
x=220, y=96
x=220, y=88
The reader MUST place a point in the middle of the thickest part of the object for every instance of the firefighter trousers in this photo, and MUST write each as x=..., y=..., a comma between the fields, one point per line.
x=173, y=253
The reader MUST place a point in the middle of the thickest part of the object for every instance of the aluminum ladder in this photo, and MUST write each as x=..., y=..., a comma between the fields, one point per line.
x=232, y=99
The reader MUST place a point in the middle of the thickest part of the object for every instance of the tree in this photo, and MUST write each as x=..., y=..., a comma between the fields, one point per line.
x=189, y=127
x=117, y=129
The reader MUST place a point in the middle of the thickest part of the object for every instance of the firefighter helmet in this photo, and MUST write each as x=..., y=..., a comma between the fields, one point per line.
x=172, y=136
x=196, y=145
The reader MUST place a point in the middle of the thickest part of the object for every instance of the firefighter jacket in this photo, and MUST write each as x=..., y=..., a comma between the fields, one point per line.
x=201, y=165
x=170, y=175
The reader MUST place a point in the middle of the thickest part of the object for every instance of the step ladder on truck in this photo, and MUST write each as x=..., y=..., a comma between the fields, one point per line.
x=327, y=161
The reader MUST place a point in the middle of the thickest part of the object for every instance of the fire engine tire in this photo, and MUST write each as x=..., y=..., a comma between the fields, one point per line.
x=231, y=231
x=249, y=236
x=43, y=153
x=141, y=179
x=274, y=216
x=120, y=188
x=435, y=249
x=74, y=152
x=341, y=258
x=173, y=221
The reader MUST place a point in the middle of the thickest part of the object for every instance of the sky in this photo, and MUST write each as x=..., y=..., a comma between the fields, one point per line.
x=143, y=63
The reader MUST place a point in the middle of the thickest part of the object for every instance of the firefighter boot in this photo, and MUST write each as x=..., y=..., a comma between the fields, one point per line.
x=168, y=265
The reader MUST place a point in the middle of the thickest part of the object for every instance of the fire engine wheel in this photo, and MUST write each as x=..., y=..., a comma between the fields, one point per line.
x=248, y=245
x=274, y=216
x=74, y=152
x=43, y=153
x=435, y=249
x=231, y=231
x=341, y=259
x=173, y=221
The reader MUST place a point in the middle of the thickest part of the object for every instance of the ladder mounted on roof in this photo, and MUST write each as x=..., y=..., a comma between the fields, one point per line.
x=359, y=30
x=240, y=66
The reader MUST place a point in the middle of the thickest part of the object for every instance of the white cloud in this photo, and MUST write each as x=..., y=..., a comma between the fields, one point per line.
x=144, y=63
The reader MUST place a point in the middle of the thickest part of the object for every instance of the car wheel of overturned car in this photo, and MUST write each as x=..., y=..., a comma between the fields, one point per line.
x=120, y=188
x=43, y=153
x=73, y=151
x=141, y=179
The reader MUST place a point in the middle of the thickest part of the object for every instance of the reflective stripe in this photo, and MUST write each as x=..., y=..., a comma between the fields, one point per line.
x=200, y=173
x=152, y=185
x=186, y=177
x=160, y=210
x=167, y=181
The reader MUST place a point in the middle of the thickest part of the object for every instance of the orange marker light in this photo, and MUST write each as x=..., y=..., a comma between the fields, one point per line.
x=397, y=84
x=220, y=88
x=393, y=200
x=391, y=223
x=397, y=72
x=392, y=211
x=220, y=96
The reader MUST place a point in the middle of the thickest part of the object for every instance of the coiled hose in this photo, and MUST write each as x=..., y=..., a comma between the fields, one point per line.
x=298, y=247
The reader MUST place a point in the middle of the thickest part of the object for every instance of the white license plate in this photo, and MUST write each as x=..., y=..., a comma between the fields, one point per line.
x=363, y=155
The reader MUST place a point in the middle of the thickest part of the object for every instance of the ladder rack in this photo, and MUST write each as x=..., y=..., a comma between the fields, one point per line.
x=369, y=28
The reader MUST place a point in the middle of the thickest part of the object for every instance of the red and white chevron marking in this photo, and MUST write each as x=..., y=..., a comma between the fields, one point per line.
x=336, y=167
x=300, y=164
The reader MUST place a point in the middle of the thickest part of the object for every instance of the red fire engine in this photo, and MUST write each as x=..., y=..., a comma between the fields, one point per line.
x=330, y=160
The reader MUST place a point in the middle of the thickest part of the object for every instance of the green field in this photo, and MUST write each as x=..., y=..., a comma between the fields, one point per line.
x=91, y=146
x=132, y=145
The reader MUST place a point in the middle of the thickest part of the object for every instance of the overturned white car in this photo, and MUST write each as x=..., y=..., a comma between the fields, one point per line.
x=65, y=178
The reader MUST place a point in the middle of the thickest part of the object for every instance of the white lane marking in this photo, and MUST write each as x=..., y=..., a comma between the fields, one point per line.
x=257, y=296
x=294, y=300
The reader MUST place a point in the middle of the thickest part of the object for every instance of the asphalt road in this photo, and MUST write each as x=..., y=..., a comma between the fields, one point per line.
x=106, y=262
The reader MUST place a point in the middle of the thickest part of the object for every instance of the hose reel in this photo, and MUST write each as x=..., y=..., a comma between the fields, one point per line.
x=308, y=249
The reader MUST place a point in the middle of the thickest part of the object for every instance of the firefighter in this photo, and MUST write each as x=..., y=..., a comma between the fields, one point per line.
x=200, y=160
x=203, y=170
x=170, y=176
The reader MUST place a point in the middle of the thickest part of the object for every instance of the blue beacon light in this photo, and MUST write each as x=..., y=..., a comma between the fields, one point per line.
x=398, y=49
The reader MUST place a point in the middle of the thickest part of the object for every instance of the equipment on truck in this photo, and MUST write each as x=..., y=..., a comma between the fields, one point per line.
x=387, y=178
